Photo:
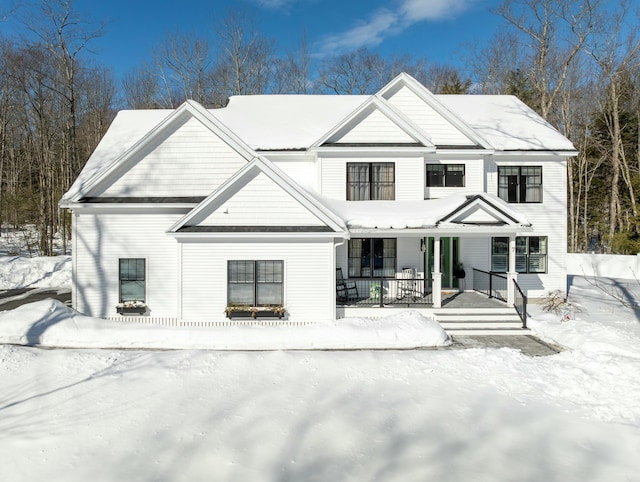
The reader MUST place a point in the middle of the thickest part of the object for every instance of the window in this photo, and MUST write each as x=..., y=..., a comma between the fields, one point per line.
x=531, y=254
x=255, y=283
x=372, y=257
x=520, y=184
x=370, y=181
x=132, y=273
x=445, y=175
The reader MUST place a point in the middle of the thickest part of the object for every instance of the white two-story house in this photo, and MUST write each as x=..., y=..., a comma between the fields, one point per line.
x=316, y=207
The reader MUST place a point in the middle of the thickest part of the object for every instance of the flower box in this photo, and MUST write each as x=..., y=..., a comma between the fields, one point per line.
x=254, y=312
x=131, y=308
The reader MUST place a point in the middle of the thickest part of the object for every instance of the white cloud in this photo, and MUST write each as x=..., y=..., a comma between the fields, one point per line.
x=370, y=33
x=418, y=10
x=385, y=23
x=276, y=4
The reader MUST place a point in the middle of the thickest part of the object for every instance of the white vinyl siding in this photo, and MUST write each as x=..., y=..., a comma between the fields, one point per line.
x=548, y=218
x=375, y=128
x=192, y=161
x=261, y=202
x=309, y=293
x=438, y=129
x=408, y=174
x=102, y=240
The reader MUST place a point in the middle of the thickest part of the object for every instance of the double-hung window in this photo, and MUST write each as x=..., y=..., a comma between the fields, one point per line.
x=369, y=181
x=132, y=279
x=372, y=257
x=255, y=283
x=531, y=254
x=520, y=184
x=445, y=175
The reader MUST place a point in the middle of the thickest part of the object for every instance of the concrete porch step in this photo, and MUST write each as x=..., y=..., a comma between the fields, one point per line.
x=475, y=321
x=481, y=324
x=487, y=331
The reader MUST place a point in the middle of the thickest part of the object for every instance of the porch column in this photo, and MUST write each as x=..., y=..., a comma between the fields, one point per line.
x=436, y=287
x=511, y=272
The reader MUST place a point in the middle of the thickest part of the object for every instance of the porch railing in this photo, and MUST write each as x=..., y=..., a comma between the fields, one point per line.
x=493, y=285
x=386, y=292
x=520, y=303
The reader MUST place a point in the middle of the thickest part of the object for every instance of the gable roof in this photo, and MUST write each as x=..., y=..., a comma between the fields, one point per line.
x=484, y=210
x=285, y=122
x=191, y=221
x=373, y=104
x=405, y=80
x=111, y=158
x=458, y=212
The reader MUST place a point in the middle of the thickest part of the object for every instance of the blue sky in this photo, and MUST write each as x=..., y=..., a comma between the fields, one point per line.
x=439, y=30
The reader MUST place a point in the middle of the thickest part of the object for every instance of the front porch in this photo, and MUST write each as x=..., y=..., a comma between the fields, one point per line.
x=480, y=311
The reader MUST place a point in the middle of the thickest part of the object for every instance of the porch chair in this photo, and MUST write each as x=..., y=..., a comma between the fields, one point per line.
x=407, y=286
x=345, y=290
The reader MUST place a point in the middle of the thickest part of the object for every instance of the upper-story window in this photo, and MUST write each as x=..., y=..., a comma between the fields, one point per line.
x=520, y=184
x=445, y=175
x=371, y=181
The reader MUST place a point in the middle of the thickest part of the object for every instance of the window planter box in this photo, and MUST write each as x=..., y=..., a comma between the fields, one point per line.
x=131, y=309
x=254, y=312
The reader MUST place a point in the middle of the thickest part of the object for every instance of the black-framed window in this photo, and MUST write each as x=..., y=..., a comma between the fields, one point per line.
x=445, y=175
x=132, y=279
x=372, y=257
x=531, y=254
x=371, y=181
x=255, y=283
x=520, y=184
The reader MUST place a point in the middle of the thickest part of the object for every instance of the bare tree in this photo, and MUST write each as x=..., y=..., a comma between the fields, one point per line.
x=616, y=53
x=358, y=72
x=244, y=57
x=552, y=33
x=140, y=88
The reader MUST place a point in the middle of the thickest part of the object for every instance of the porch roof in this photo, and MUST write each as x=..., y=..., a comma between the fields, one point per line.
x=458, y=213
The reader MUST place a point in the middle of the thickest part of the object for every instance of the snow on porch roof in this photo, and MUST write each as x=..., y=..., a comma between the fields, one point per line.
x=287, y=122
x=411, y=214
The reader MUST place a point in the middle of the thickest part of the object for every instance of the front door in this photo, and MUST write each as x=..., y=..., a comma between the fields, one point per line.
x=448, y=259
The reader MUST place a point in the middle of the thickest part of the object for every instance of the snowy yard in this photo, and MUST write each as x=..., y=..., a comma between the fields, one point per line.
x=189, y=415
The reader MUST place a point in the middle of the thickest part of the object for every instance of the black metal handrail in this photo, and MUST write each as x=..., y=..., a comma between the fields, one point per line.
x=386, y=292
x=520, y=303
x=494, y=285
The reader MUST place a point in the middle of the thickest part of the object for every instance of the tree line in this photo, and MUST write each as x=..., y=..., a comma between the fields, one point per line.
x=576, y=63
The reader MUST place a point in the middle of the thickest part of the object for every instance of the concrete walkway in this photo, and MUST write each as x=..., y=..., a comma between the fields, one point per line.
x=528, y=344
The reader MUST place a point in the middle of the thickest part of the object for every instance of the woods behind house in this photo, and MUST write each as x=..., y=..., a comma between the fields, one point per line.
x=576, y=63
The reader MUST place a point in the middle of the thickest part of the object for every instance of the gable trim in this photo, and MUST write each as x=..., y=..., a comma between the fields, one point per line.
x=480, y=199
x=375, y=102
x=429, y=98
x=243, y=176
x=189, y=109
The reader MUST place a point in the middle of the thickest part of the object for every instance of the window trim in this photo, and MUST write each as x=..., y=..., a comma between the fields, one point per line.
x=144, y=279
x=526, y=254
x=350, y=272
x=255, y=282
x=445, y=167
x=520, y=187
x=371, y=182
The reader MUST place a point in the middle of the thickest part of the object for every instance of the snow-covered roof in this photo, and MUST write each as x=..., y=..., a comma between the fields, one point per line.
x=275, y=122
x=426, y=214
x=506, y=122
x=296, y=122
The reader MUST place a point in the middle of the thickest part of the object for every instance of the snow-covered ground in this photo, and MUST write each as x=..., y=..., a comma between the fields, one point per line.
x=410, y=415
